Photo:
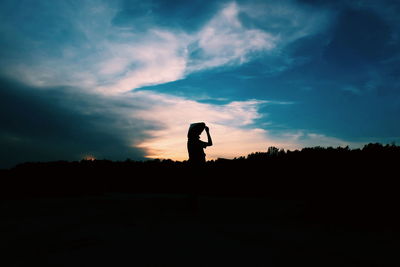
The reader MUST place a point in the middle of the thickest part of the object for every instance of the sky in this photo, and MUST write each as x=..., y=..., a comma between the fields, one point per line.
x=118, y=79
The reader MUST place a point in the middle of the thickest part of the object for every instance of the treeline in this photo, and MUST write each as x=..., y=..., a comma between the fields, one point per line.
x=338, y=183
x=292, y=172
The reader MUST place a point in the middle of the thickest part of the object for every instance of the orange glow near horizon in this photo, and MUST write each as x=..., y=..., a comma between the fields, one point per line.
x=89, y=158
x=229, y=142
x=232, y=128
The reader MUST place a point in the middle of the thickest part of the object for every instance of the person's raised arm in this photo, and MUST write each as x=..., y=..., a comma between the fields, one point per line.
x=209, y=140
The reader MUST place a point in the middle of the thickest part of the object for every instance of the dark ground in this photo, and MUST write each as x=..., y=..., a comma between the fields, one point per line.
x=315, y=207
x=181, y=230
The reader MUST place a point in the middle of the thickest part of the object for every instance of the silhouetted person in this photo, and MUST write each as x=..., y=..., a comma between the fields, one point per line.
x=195, y=145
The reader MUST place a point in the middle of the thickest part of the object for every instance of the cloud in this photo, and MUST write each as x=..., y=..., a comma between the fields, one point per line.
x=55, y=124
x=233, y=128
x=51, y=124
x=97, y=54
x=289, y=20
x=303, y=138
x=161, y=55
x=227, y=122
x=224, y=40
x=158, y=58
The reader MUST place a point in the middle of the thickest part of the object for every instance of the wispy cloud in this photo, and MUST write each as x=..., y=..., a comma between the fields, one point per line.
x=110, y=59
x=225, y=40
x=233, y=127
x=157, y=58
x=303, y=138
x=288, y=20
x=162, y=55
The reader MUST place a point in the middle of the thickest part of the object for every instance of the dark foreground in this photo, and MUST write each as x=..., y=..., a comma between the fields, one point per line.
x=181, y=230
x=315, y=207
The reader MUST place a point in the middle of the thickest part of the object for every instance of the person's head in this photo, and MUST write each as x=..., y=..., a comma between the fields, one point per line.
x=196, y=129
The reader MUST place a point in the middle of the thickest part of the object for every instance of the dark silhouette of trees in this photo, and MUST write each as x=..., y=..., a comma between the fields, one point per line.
x=338, y=184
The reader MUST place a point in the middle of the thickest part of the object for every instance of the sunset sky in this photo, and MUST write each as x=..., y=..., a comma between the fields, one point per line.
x=124, y=79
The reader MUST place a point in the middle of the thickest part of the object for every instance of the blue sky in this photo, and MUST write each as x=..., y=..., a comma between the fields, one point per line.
x=124, y=79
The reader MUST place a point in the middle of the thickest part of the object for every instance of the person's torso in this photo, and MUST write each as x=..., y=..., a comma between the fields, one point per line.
x=195, y=148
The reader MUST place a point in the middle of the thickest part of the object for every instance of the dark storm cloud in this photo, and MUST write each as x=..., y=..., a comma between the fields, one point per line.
x=46, y=124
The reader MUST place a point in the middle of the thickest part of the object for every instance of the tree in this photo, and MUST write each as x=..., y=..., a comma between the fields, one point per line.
x=272, y=151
